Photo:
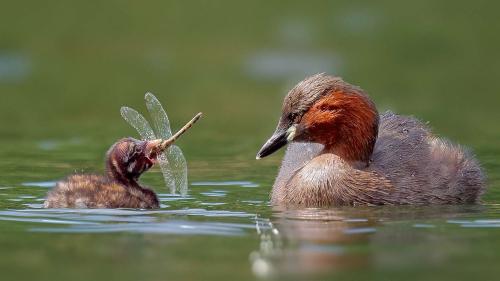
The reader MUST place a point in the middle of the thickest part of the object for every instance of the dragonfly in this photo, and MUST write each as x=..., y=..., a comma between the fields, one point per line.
x=172, y=161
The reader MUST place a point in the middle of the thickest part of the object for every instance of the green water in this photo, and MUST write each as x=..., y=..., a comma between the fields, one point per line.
x=65, y=70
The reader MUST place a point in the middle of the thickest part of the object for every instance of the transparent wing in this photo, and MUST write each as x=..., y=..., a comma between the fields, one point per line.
x=174, y=168
x=136, y=120
x=159, y=116
x=167, y=172
x=178, y=167
x=172, y=162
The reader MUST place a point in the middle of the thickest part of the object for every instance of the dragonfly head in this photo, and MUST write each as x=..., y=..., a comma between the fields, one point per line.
x=128, y=158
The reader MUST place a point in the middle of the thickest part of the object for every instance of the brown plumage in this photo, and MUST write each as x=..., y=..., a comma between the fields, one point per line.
x=126, y=161
x=342, y=152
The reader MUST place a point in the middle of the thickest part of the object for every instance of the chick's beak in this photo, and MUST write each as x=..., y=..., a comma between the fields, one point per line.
x=279, y=139
x=153, y=148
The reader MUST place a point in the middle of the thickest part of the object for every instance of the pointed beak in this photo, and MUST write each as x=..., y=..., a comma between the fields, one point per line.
x=154, y=147
x=279, y=139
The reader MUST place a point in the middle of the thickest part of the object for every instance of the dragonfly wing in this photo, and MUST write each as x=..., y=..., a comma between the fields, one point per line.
x=159, y=116
x=167, y=172
x=178, y=168
x=136, y=120
x=175, y=167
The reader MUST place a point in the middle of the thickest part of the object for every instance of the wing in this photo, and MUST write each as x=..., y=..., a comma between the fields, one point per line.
x=178, y=168
x=172, y=162
x=166, y=170
x=174, y=168
x=159, y=116
x=136, y=120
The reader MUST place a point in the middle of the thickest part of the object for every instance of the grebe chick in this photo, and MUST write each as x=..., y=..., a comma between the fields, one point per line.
x=342, y=152
x=126, y=161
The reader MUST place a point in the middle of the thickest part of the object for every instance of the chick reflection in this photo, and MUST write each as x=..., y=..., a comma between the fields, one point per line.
x=308, y=241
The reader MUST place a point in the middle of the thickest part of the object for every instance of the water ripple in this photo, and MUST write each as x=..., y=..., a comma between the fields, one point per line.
x=225, y=183
x=40, y=183
x=127, y=220
x=167, y=227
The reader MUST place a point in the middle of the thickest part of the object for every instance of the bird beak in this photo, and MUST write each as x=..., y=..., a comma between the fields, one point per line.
x=279, y=139
x=158, y=146
x=154, y=147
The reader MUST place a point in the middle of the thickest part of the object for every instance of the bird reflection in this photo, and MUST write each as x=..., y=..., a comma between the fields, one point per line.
x=312, y=241
x=309, y=241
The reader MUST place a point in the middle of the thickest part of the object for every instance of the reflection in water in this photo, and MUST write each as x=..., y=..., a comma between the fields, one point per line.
x=314, y=241
x=309, y=241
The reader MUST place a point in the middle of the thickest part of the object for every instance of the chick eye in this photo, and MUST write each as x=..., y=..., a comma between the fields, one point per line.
x=137, y=150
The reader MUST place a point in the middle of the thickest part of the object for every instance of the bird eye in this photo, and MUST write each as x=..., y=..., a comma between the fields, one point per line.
x=137, y=150
x=293, y=116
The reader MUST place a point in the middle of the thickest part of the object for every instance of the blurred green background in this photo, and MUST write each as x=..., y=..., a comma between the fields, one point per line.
x=73, y=64
x=66, y=68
